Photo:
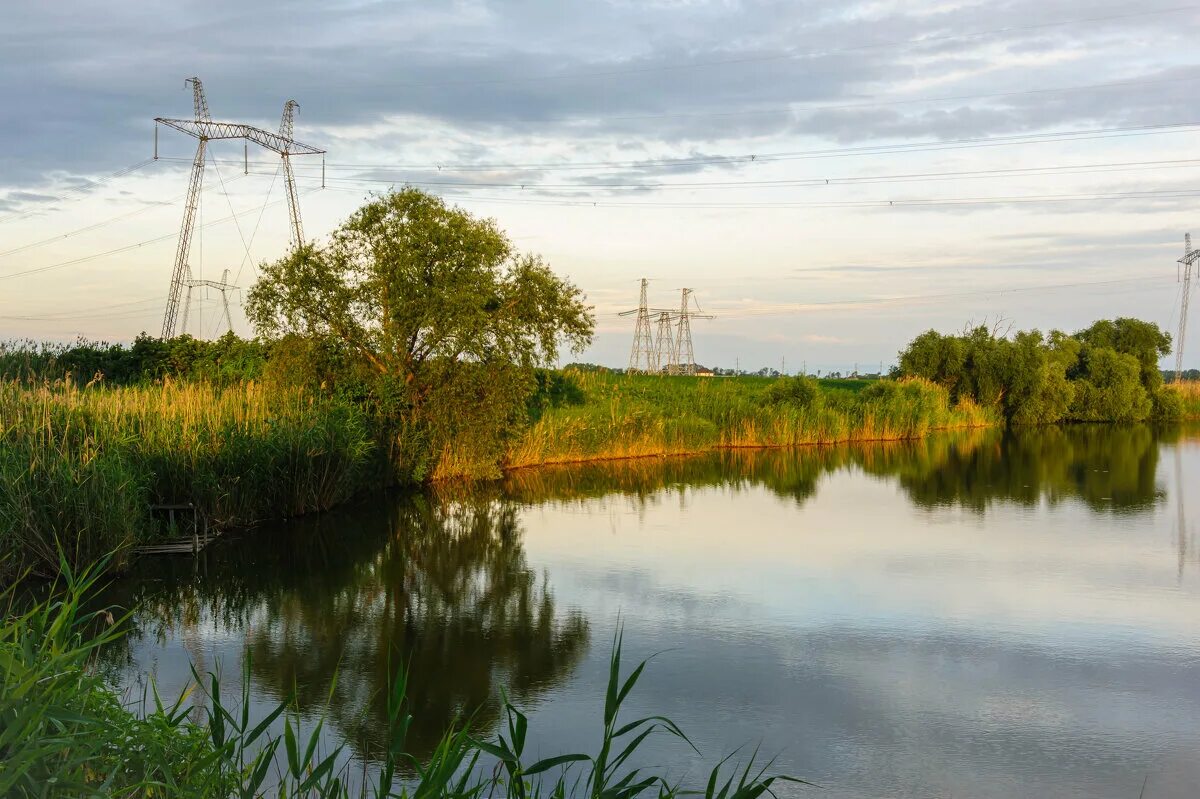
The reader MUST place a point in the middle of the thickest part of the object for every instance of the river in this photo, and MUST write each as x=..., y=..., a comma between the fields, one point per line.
x=979, y=614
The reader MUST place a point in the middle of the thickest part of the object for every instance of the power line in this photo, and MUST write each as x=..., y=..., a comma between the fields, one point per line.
x=79, y=191
x=114, y=251
x=103, y=223
x=798, y=55
x=1079, y=134
x=916, y=177
x=908, y=101
x=781, y=204
x=802, y=307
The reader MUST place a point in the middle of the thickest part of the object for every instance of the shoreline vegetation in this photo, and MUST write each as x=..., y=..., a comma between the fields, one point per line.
x=81, y=467
x=412, y=348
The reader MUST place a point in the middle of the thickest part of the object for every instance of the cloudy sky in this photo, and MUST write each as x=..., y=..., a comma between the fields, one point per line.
x=830, y=177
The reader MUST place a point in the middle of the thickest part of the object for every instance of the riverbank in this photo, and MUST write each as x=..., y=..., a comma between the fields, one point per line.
x=642, y=416
x=82, y=468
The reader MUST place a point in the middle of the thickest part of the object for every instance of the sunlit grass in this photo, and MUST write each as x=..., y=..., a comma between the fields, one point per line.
x=637, y=416
x=80, y=467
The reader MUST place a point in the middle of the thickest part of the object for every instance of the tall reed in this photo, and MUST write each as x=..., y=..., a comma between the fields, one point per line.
x=634, y=416
x=80, y=467
x=1189, y=395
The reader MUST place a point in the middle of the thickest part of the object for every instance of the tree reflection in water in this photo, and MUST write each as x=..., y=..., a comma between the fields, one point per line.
x=1110, y=468
x=442, y=582
x=439, y=584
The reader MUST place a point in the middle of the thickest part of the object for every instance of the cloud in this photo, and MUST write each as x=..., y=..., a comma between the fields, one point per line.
x=82, y=86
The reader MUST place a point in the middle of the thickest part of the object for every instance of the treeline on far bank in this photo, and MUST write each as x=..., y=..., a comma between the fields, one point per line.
x=1105, y=373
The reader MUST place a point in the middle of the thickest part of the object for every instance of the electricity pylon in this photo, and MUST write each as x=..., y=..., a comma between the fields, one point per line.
x=664, y=345
x=223, y=285
x=1189, y=258
x=643, y=343
x=685, y=358
x=286, y=124
x=204, y=129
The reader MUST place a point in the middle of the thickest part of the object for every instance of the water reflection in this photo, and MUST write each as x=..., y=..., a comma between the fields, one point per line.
x=1109, y=468
x=440, y=585
x=981, y=613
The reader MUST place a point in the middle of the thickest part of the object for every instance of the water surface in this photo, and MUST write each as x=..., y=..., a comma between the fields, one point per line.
x=974, y=615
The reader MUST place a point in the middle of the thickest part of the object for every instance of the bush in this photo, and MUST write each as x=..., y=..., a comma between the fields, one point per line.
x=798, y=392
x=1110, y=388
x=1166, y=405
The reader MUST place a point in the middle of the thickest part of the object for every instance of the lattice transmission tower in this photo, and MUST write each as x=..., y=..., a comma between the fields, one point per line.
x=684, y=361
x=204, y=129
x=664, y=345
x=223, y=285
x=642, y=355
x=1190, y=257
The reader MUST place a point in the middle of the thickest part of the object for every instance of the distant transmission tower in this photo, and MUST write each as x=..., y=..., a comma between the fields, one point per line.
x=664, y=349
x=685, y=358
x=205, y=130
x=223, y=285
x=1189, y=258
x=642, y=355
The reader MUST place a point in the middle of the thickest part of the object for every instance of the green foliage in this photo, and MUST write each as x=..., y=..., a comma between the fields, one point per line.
x=63, y=733
x=1109, y=388
x=936, y=358
x=626, y=416
x=1033, y=379
x=1167, y=405
x=443, y=314
x=798, y=392
x=224, y=361
x=1143, y=340
x=80, y=467
x=553, y=390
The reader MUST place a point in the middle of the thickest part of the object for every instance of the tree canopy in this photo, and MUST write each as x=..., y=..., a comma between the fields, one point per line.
x=1108, y=372
x=436, y=307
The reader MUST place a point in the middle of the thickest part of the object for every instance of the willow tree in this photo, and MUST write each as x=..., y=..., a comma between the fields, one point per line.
x=440, y=310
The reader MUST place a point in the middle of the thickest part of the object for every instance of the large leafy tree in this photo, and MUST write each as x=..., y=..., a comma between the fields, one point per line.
x=438, y=307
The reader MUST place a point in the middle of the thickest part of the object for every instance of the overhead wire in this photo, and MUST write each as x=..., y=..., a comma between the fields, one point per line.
x=764, y=310
x=96, y=225
x=815, y=182
x=1079, y=134
x=115, y=250
x=79, y=191
x=804, y=54
x=785, y=204
x=258, y=222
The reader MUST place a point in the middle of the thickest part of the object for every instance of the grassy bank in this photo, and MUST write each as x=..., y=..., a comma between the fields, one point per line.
x=636, y=416
x=1189, y=397
x=65, y=733
x=80, y=468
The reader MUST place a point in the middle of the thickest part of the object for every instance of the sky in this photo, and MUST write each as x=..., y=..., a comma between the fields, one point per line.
x=830, y=178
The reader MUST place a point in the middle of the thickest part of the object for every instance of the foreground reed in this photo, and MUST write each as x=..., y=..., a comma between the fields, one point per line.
x=80, y=468
x=64, y=732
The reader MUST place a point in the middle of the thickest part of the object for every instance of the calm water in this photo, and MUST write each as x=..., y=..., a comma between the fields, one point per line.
x=977, y=615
